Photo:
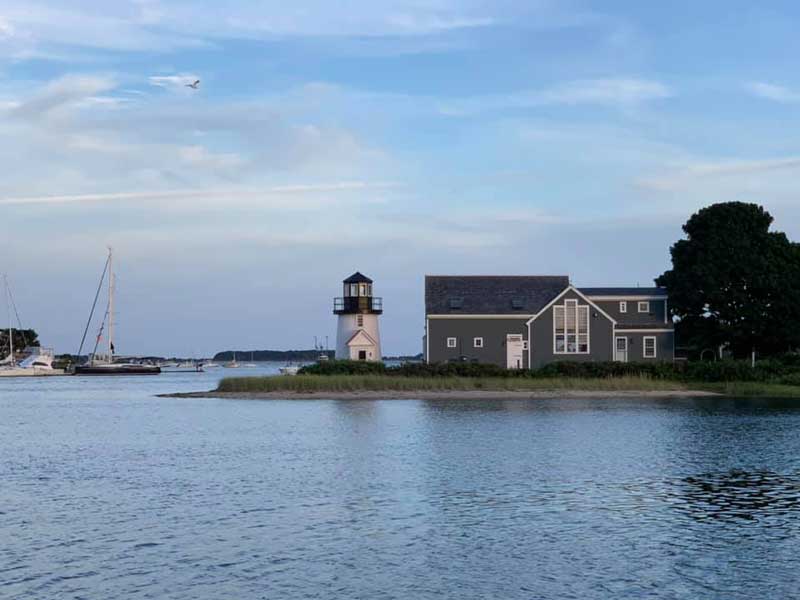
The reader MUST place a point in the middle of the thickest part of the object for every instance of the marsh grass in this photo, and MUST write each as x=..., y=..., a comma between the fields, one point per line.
x=380, y=383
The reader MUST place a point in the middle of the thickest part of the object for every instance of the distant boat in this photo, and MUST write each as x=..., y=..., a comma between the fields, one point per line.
x=289, y=370
x=210, y=365
x=36, y=360
x=188, y=366
x=251, y=364
x=106, y=365
x=232, y=364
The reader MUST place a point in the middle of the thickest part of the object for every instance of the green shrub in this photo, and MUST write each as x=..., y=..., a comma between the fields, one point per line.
x=653, y=370
x=344, y=367
x=455, y=369
x=779, y=369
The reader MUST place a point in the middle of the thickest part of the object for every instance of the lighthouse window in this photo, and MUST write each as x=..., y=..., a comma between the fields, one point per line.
x=363, y=289
x=452, y=342
x=354, y=289
x=478, y=342
x=360, y=320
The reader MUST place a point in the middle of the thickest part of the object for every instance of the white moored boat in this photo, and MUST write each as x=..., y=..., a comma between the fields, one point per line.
x=36, y=361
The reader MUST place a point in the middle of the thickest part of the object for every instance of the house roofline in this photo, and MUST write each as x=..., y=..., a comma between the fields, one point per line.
x=579, y=293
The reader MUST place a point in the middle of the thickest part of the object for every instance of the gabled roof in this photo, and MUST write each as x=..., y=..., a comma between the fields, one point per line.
x=361, y=336
x=490, y=294
x=577, y=292
x=623, y=291
x=357, y=277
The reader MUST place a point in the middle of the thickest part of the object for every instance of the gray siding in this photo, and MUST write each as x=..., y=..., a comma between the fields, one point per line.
x=493, y=332
x=665, y=346
x=633, y=316
x=601, y=333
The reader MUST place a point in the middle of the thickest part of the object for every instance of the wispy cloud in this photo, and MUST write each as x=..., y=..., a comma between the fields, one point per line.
x=691, y=174
x=188, y=194
x=771, y=91
x=63, y=92
x=173, y=82
x=612, y=92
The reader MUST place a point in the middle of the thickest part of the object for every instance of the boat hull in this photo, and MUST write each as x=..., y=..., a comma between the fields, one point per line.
x=116, y=370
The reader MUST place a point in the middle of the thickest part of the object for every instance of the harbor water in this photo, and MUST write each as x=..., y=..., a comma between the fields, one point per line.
x=107, y=491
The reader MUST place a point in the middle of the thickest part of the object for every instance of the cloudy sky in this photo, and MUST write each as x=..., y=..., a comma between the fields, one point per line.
x=398, y=138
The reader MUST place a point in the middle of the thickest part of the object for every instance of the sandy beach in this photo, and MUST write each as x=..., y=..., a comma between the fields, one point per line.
x=441, y=395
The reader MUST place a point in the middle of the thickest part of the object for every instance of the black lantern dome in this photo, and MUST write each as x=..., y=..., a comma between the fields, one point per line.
x=357, y=297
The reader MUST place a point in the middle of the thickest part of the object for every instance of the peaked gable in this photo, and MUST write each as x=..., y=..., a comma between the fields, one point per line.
x=361, y=338
x=577, y=292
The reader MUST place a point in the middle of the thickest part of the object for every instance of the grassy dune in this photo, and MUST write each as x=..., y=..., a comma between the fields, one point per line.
x=380, y=383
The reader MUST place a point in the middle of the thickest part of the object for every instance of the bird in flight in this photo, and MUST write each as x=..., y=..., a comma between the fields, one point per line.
x=194, y=85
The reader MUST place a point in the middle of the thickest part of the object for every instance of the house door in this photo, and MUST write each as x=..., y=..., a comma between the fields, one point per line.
x=514, y=351
x=362, y=355
x=621, y=353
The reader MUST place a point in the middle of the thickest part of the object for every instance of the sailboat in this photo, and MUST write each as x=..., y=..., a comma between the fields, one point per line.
x=106, y=365
x=232, y=364
x=36, y=361
x=251, y=364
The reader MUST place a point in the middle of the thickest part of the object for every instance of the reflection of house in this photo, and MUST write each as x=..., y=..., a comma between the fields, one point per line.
x=528, y=321
x=358, y=336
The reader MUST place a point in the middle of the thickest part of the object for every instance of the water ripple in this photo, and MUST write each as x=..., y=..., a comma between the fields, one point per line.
x=107, y=493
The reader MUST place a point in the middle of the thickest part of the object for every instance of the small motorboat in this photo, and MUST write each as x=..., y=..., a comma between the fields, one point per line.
x=289, y=370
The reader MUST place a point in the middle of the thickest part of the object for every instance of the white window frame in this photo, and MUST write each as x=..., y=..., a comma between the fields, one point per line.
x=623, y=306
x=642, y=303
x=644, y=346
x=572, y=304
x=477, y=342
x=452, y=342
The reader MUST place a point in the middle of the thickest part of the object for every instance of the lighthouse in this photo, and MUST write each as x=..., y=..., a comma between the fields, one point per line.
x=357, y=334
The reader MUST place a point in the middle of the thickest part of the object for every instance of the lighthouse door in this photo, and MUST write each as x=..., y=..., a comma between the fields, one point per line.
x=514, y=351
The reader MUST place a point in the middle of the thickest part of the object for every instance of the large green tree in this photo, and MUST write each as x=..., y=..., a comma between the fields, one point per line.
x=734, y=281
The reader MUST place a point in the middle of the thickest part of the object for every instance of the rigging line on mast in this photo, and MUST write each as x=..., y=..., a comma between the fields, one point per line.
x=94, y=305
x=100, y=334
x=16, y=312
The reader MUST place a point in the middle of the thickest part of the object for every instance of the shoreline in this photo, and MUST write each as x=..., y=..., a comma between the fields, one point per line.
x=444, y=395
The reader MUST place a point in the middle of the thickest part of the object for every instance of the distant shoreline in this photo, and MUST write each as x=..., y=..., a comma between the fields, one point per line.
x=443, y=395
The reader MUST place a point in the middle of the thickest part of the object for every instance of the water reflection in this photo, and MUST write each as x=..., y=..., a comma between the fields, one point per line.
x=468, y=499
x=737, y=495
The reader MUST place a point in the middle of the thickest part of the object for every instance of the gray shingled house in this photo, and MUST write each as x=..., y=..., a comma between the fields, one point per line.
x=522, y=322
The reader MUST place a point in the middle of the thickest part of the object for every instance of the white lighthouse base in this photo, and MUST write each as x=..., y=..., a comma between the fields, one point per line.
x=358, y=342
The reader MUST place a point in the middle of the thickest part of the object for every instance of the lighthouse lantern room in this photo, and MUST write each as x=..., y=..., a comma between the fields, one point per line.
x=357, y=335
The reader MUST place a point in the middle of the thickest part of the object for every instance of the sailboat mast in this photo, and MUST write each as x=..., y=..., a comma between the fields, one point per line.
x=10, y=331
x=110, y=307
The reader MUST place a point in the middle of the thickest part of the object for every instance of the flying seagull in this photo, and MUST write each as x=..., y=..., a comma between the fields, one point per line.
x=194, y=85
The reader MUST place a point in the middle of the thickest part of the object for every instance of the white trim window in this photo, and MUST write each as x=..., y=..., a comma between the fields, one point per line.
x=623, y=307
x=570, y=328
x=649, y=346
x=477, y=342
x=452, y=342
x=644, y=307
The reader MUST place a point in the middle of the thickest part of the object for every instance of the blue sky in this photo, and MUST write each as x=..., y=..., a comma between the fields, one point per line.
x=396, y=138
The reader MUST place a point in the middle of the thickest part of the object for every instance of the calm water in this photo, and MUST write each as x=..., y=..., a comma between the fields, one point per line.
x=108, y=492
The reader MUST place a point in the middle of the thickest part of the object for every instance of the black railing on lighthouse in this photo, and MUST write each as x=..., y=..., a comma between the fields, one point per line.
x=356, y=304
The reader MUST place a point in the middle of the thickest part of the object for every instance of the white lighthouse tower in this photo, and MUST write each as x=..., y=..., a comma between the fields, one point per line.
x=357, y=334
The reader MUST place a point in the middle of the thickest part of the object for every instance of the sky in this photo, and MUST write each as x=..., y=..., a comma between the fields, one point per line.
x=398, y=138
